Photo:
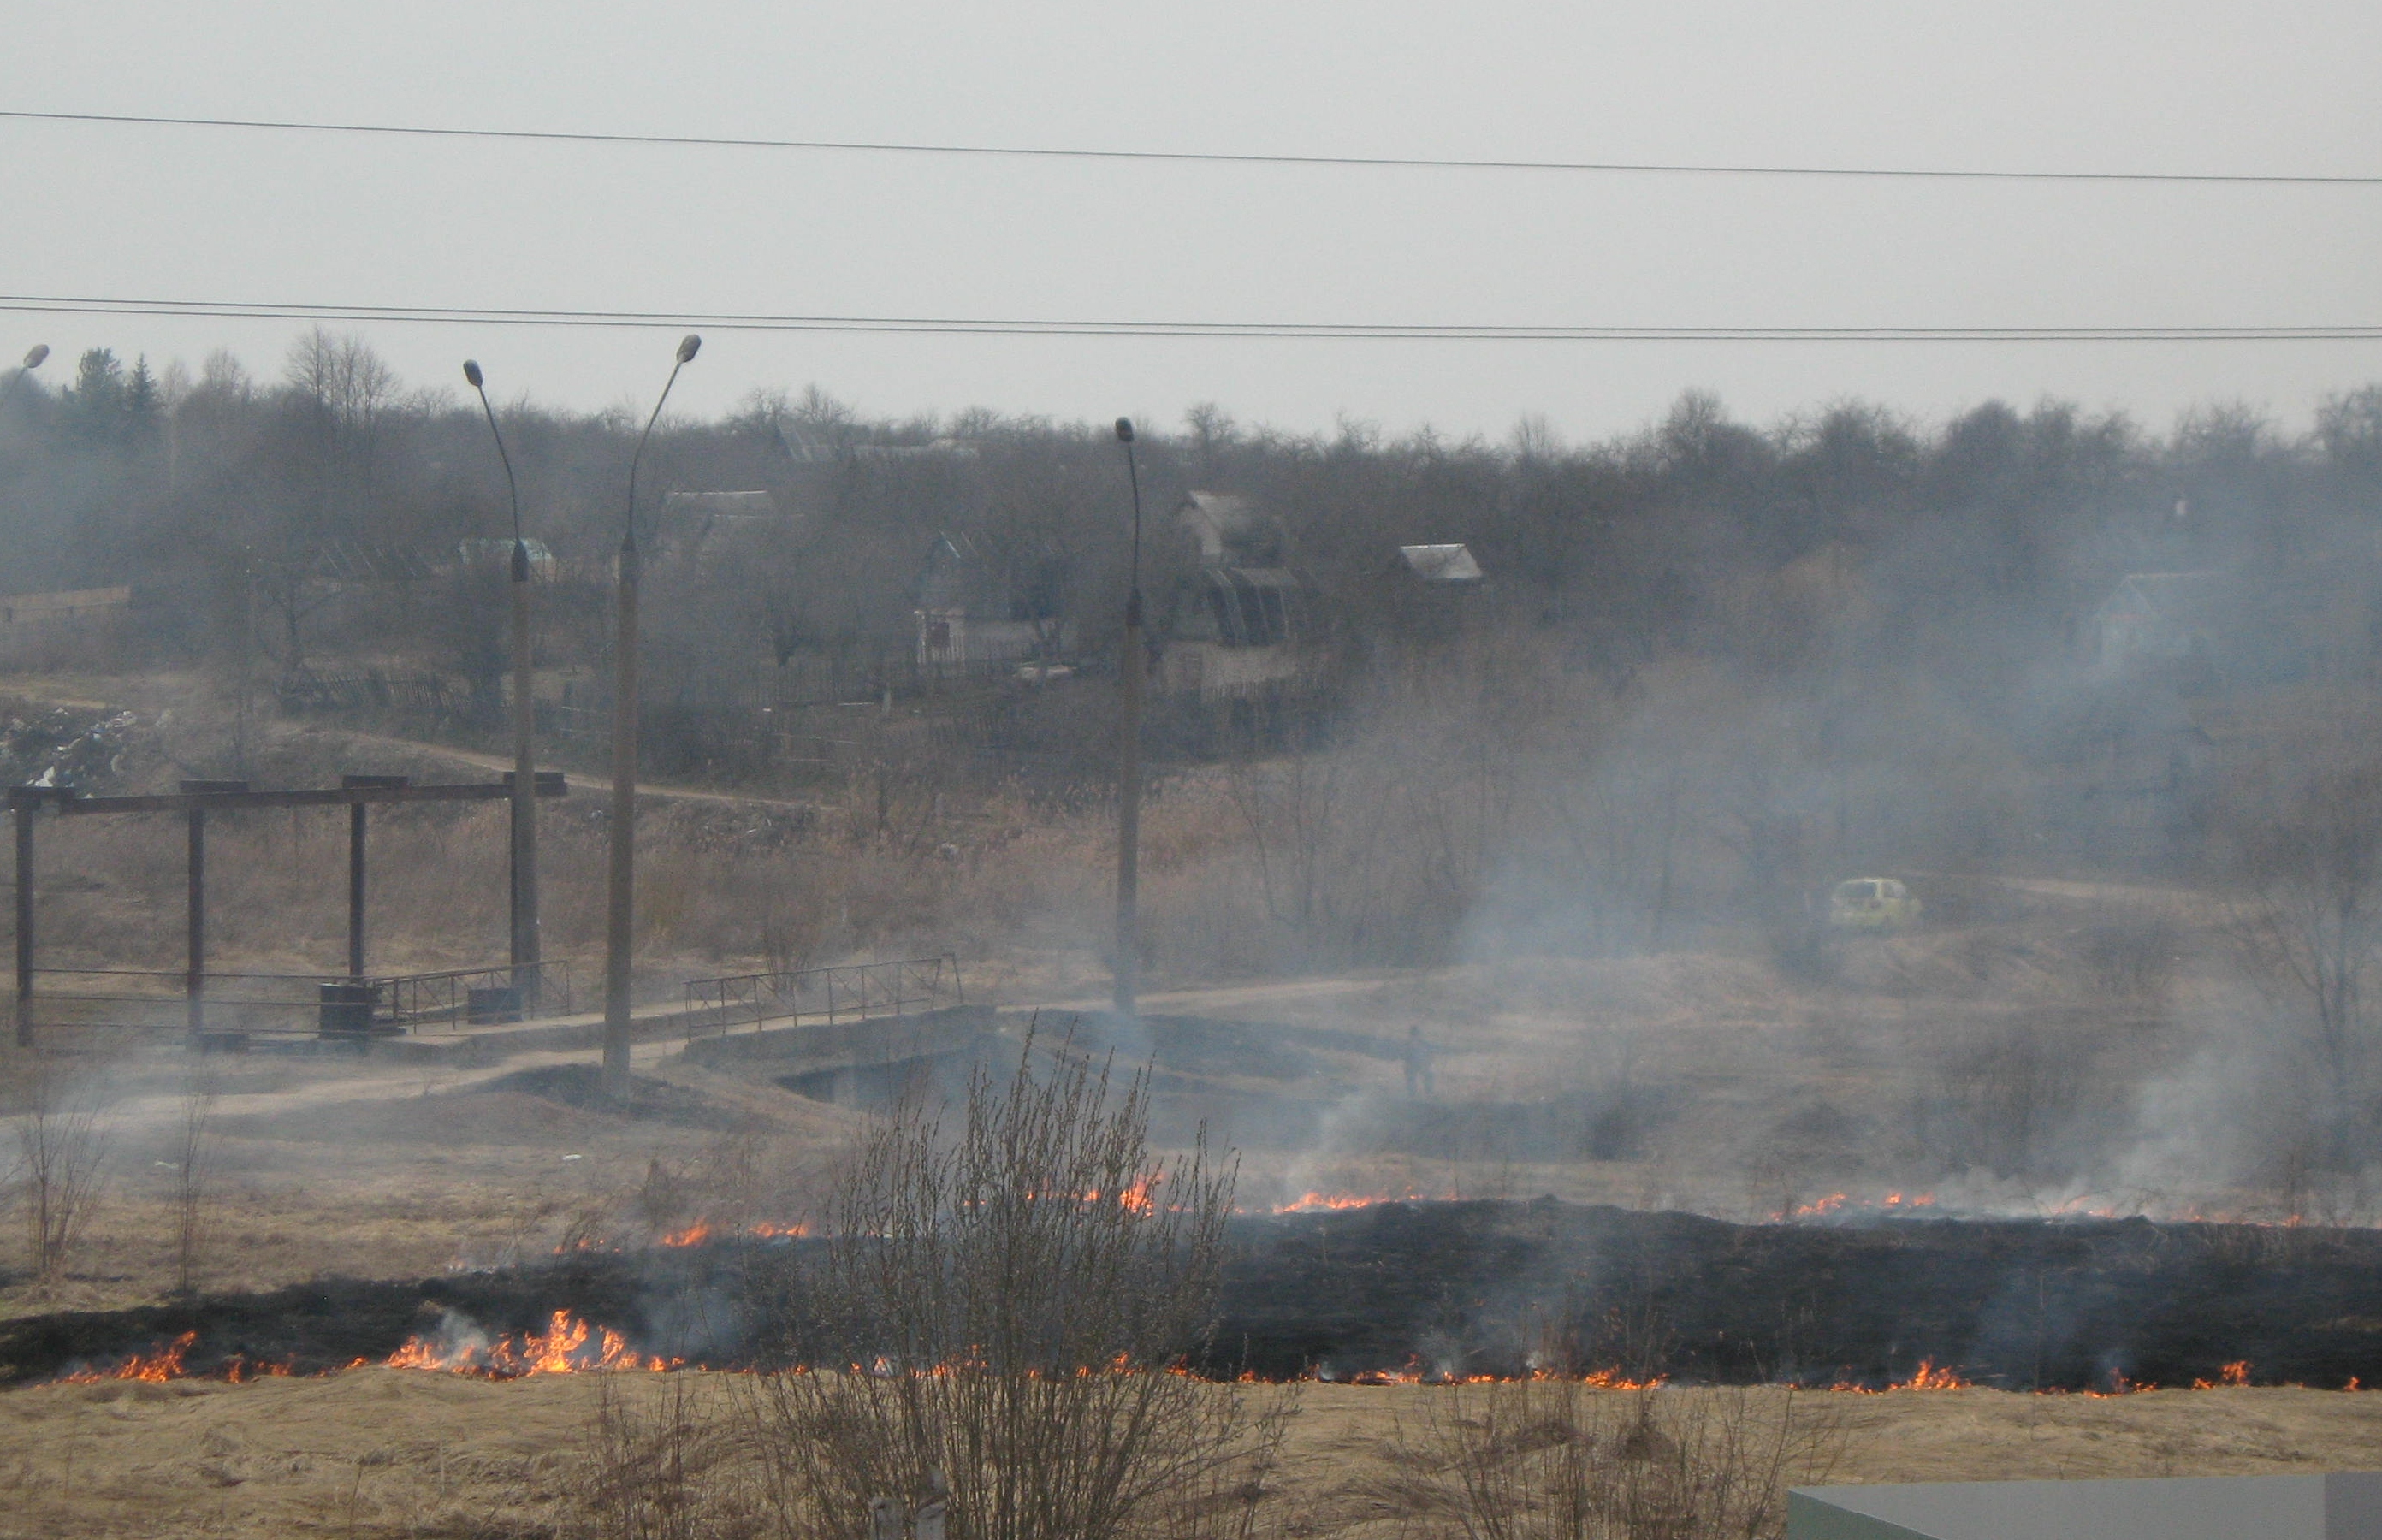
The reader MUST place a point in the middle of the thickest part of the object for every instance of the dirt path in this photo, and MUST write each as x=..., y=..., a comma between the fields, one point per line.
x=385, y=1080
x=644, y=790
x=1225, y=996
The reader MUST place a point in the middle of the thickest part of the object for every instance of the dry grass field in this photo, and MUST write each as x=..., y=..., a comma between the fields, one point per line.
x=379, y=1454
x=2011, y=1059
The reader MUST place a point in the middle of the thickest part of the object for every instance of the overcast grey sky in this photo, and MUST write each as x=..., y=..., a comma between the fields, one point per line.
x=2183, y=85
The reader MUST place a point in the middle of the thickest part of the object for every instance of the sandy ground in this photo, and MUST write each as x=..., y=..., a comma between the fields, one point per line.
x=383, y=1452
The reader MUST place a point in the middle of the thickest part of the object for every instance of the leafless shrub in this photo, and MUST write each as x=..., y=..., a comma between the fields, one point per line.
x=2000, y=1096
x=676, y=1469
x=2130, y=956
x=195, y=1180
x=2309, y=922
x=62, y=1153
x=1555, y=1460
x=1004, y=1311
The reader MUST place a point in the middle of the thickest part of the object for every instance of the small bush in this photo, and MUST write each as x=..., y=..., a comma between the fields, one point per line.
x=1556, y=1460
x=1003, y=1313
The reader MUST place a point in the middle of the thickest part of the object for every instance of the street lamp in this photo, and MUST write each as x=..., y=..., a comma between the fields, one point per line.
x=1128, y=880
x=622, y=887
x=526, y=949
x=33, y=357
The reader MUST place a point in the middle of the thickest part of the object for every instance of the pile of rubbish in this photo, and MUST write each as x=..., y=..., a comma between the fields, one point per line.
x=79, y=750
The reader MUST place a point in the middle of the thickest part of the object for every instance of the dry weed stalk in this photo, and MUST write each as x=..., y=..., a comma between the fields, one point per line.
x=1003, y=1310
x=1556, y=1460
x=62, y=1153
x=194, y=1180
x=673, y=1470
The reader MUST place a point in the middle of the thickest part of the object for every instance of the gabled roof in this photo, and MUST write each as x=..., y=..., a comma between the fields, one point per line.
x=1229, y=529
x=1225, y=511
x=1245, y=607
x=1441, y=563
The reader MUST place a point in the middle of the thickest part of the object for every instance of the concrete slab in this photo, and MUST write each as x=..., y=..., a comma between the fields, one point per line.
x=2341, y=1505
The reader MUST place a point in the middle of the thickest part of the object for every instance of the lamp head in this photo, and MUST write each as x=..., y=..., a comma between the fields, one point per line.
x=688, y=348
x=35, y=354
x=472, y=372
x=1125, y=430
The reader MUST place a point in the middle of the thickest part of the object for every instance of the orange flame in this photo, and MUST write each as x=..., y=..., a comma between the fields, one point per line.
x=1133, y=1200
x=1325, y=1203
x=1930, y=1378
x=702, y=1230
x=1415, y=1373
x=568, y=1346
x=154, y=1367
x=239, y=1371
x=2233, y=1376
x=1838, y=1202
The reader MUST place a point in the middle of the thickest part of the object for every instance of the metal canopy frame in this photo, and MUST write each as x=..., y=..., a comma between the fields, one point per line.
x=194, y=802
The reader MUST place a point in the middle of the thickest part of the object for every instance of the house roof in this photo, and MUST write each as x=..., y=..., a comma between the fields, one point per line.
x=1230, y=528
x=1245, y=607
x=1225, y=507
x=1441, y=563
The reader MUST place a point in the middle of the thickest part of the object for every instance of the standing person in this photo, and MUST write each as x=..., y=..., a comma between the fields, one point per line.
x=1420, y=1080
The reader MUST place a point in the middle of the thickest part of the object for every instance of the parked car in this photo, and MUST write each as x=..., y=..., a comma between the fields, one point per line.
x=1873, y=904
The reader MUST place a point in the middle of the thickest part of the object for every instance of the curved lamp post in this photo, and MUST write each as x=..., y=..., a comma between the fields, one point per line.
x=622, y=886
x=526, y=946
x=1128, y=880
x=35, y=356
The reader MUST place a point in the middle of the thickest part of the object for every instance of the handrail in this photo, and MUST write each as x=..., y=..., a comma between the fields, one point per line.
x=837, y=993
x=384, y=1003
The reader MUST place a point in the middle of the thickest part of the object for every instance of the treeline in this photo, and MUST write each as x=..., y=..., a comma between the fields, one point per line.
x=1971, y=547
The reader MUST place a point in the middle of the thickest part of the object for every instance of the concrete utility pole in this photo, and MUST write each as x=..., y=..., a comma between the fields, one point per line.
x=526, y=947
x=1128, y=881
x=622, y=891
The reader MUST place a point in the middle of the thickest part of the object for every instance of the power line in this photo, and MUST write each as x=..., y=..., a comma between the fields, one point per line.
x=1402, y=163
x=1273, y=330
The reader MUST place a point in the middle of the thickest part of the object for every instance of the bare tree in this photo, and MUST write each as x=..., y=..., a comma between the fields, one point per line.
x=2310, y=863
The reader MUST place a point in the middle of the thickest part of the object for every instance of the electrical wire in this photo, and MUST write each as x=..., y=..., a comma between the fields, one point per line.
x=1271, y=330
x=1400, y=162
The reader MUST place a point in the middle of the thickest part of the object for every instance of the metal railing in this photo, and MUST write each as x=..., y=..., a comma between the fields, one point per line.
x=851, y=992
x=295, y=1005
x=470, y=996
x=158, y=999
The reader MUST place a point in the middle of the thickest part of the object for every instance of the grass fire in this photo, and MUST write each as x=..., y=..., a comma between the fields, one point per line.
x=1254, y=775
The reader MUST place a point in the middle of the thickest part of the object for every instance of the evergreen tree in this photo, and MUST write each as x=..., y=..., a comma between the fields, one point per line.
x=95, y=403
x=143, y=405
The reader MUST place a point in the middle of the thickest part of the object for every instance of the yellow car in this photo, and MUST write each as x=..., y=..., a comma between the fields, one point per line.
x=1873, y=904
